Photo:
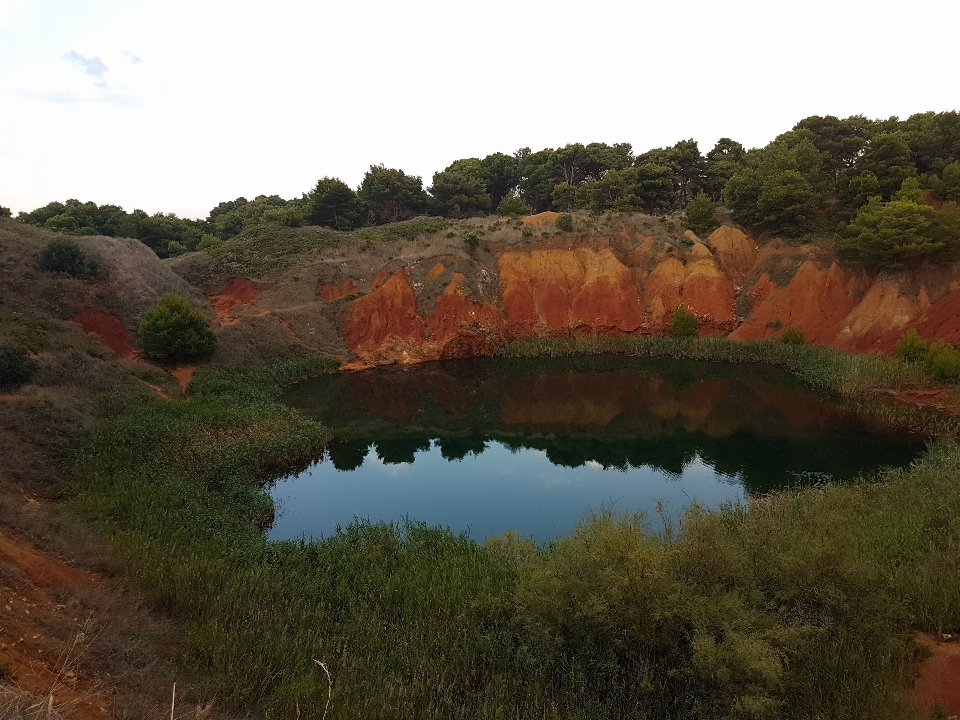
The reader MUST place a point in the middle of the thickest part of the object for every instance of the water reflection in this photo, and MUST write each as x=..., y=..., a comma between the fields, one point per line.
x=753, y=423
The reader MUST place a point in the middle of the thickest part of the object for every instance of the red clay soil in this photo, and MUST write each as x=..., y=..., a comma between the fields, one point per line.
x=817, y=300
x=390, y=313
x=938, y=677
x=183, y=375
x=109, y=329
x=32, y=644
x=461, y=327
x=541, y=219
x=435, y=271
x=240, y=292
x=332, y=291
x=941, y=321
x=559, y=290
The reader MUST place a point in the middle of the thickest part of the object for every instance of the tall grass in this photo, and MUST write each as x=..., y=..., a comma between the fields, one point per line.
x=798, y=605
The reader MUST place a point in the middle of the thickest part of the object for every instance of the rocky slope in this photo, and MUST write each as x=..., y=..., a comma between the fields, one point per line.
x=442, y=300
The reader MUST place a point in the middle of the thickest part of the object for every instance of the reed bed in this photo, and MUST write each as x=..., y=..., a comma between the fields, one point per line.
x=797, y=605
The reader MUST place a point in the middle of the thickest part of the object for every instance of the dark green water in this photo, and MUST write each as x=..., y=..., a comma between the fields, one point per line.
x=487, y=445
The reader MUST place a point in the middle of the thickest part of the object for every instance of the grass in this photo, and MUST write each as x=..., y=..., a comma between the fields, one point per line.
x=266, y=246
x=794, y=606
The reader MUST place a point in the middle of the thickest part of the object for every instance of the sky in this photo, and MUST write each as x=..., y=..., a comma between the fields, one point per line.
x=176, y=106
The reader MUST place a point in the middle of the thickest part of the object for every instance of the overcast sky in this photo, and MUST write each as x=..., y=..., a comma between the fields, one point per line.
x=176, y=106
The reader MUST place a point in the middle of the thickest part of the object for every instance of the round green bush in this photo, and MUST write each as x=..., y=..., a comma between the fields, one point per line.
x=565, y=222
x=513, y=206
x=471, y=240
x=683, y=323
x=943, y=361
x=911, y=347
x=65, y=255
x=16, y=367
x=792, y=336
x=173, y=330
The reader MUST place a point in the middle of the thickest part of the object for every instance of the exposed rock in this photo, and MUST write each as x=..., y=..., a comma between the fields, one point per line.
x=735, y=252
x=333, y=291
x=562, y=290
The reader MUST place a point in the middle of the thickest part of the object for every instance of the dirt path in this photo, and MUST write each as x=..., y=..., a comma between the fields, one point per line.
x=938, y=677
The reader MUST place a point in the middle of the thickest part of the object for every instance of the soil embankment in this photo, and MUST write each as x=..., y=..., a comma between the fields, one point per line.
x=618, y=280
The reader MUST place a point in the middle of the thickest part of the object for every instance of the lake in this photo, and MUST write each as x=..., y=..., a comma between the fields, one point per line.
x=487, y=445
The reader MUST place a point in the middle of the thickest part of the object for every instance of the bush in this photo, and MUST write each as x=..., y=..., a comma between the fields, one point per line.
x=792, y=336
x=943, y=361
x=513, y=206
x=911, y=347
x=683, y=323
x=16, y=367
x=65, y=255
x=471, y=240
x=209, y=242
x=565, y=222
x=699, y=214
x=173, y=330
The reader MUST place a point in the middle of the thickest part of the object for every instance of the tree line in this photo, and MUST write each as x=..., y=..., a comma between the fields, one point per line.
x=872, y=183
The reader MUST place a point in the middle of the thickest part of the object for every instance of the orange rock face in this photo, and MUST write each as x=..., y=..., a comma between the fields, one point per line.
x=563, y=290
x=594, y=290
x=700, y=286
x=816, y=300
x=389, y=314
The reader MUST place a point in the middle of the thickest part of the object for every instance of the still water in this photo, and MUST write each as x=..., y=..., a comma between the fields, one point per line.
x=487, y=445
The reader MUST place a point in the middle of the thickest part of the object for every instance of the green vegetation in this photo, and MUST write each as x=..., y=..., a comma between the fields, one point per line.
x=943, y=361
x=16, y=367
x=66, y=256
x=513, y=206
x=797, y=606
x=565, y=222
x=471, y=240
x=826, y=176
x=792, y=336
x=683, y=323
x=940, y=359
x=173, y=330
x=699, y=215
x=911, y=347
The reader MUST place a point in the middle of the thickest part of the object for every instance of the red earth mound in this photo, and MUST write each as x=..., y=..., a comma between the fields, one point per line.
x=109, y=329
x=240, y=292
x=941, y=321
x=816, y=300
x=389, y=313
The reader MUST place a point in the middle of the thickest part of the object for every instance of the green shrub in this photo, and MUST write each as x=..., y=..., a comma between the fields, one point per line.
x=16, y=367
x=5, y=211
x=173, y=330
x=943, y=361
x=565, y=222
x=683, y=323
x=66, y=256
x=209, y=242
x=699, y=214
x=792, y=336
x=175, y=247
x=471, y=240
x=513, y=206
x=527, y=232
x=911, y=347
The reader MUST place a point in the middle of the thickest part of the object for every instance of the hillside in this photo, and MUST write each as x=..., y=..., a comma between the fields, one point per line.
x=397, y=294
x=430, y=296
